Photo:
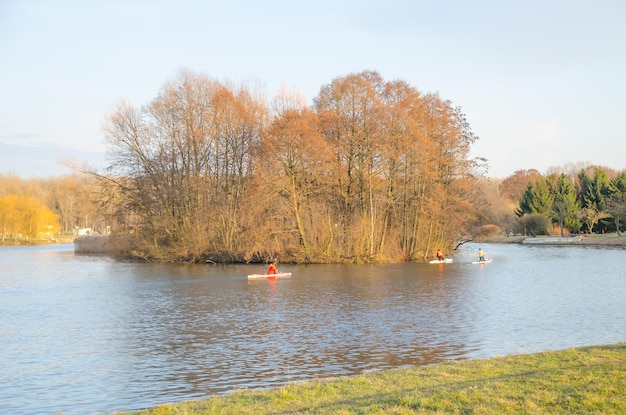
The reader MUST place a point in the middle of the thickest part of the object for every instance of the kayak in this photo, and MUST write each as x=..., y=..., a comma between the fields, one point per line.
x=482, y=262
x=444, y=261
x=270, y=276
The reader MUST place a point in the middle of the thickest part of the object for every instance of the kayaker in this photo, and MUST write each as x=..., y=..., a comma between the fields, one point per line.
x=481, y=255
x=439, y=255
x=272, y=269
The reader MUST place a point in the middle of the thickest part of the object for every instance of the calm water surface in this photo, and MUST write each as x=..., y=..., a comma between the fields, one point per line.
x=83, y=334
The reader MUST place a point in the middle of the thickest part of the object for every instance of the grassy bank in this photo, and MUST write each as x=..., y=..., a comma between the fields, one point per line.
x=576, y=381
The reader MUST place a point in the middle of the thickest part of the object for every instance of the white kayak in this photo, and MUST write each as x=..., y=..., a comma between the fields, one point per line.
x=443, y=261
x=270, y=276
x=487, y=260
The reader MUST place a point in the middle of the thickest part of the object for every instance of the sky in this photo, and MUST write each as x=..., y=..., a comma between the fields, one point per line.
x=541, y=82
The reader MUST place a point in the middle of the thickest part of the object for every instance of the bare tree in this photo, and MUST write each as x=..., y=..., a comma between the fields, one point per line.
x=180, y=164
x=293, y=164
x=374, y=170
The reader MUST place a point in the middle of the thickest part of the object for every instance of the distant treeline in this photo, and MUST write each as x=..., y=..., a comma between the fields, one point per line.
x=594, y=200
x=40, y=209
x=371, y=171
x=24, y=218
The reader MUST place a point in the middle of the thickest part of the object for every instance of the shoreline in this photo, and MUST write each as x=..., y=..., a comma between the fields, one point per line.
x=99, y=244
x=611, y=239
x=588, y=379
x=62, y=240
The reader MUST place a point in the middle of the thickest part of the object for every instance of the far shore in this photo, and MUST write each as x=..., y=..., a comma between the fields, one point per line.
x=609, y=239
x=57, y=239
x=99, y=243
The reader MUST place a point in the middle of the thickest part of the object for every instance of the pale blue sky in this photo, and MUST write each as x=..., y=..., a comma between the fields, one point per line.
x=543, y=83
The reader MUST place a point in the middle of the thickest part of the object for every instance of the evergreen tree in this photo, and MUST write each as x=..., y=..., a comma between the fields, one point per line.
x=543, y=200
x=601, y=193
x=566, y=207
x=591, y=197
x=616, y=202
x=536, y=199
x=525, y=202
x=585, y=192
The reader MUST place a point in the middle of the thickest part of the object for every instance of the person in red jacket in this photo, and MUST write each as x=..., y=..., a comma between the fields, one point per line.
x=272, y=269
x=440, y=256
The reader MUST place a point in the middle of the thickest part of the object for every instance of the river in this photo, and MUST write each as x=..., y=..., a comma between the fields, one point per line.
x=86, y=334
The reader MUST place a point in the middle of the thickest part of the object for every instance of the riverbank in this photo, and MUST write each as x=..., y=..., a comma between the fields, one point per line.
x=580, y=380
x=101, y=244
x=58, y=239
x=611, y=239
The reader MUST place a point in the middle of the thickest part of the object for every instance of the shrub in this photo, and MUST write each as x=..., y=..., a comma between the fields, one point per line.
x=533, y=224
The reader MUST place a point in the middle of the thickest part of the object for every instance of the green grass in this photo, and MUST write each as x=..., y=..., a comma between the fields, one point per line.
x=590, y=380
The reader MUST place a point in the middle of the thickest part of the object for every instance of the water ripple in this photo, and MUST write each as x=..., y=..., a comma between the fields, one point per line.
x=88, y=335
